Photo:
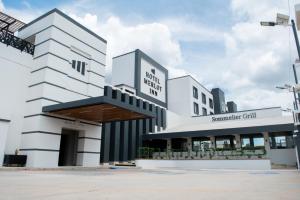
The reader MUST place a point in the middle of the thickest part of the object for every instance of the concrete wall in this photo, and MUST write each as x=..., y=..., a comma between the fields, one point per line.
x=283, y=156
x=15, y=70
x=205, y=164
x=31, y=82
x=4, y=125
x=180, y=92
x=124, y=64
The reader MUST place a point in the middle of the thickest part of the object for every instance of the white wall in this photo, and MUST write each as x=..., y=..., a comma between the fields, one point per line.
x=123, y=70
x=179, y=96
x=283, y=156
x=263, y=117
x=205, y=164
x=3, y=135
x=48, y=78
x=181, y=99
x=15, y=70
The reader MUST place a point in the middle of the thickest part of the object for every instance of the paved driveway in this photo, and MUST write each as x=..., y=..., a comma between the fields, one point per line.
x=136, y=184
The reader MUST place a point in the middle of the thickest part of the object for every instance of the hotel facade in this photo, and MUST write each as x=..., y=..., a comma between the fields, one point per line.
x=57, y=110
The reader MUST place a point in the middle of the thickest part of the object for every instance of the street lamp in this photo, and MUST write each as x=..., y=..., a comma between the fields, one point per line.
x=283, y=20
x=293, y=89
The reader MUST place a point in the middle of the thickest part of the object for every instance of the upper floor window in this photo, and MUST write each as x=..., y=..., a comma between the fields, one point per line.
x=211, y=104
x=203, y=98
x=196, y=109
x=79, y=66
x=195, y=92
x=204, y=111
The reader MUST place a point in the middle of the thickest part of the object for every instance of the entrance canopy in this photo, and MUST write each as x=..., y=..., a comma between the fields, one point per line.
x=99, y=109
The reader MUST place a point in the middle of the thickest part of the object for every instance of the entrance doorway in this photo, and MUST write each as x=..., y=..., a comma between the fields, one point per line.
x=68, y=148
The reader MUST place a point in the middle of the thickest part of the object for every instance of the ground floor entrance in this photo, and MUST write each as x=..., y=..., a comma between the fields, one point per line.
x=68, y=148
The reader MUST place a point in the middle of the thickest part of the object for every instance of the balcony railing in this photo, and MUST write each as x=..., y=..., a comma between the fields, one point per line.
x=18, y=43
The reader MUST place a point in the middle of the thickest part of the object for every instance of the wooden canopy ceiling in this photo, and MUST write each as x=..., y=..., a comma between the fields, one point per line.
x=97, y=109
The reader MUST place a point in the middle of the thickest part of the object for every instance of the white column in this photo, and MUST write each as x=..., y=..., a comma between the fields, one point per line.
x=238, y=141
x=267, y=143
x=169, y=144
x=213, y=142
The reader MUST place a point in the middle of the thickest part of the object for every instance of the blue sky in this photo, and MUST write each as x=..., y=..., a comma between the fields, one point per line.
x=218, y=42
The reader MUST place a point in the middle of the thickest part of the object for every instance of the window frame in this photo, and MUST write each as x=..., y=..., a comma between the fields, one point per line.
x=203, y=96
x=196, y=108
x=195, y=92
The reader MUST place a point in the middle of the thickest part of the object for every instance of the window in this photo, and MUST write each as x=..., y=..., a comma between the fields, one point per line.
x=211, y=113
x=204, y=111
x=83, y=68
x=252, y=141
x=281, y=141
x=201, y=144
x=225, y=143
x=211, y=104
x=195, y=92
x=203, y=98
x=196, y=109
x=79, y=66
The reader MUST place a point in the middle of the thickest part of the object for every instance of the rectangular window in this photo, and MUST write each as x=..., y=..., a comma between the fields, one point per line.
x=78, y=66
x=281, y=140
x=195, y=92
x=211, y=104
x=83, y=68
x=196, y=109
x=73, y=64
x=203, y=98
x=204, y=111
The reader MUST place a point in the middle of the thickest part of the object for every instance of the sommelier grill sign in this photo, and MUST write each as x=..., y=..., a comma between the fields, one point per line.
x=153, y=81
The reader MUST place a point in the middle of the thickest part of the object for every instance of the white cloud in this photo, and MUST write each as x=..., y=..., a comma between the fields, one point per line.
x=256, y=58
x=155, y=39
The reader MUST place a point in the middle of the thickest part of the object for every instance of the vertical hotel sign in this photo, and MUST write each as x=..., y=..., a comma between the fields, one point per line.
x=153, y=81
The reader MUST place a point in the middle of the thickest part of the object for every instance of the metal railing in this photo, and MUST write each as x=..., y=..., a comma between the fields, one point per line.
x=9, y=39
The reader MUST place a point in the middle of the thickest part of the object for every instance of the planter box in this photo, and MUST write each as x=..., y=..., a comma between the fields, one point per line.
x=14, y=160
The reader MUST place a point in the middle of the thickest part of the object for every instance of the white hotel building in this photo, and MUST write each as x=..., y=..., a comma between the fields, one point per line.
x=55, y=109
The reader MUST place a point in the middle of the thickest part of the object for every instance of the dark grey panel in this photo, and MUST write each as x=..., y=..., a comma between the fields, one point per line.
x=124, y=141
x=4, y=120
x=37, y=149
x=163, y=118
x=105, y=143
x=297, y=143
x=115, y=142
x=41, y=132
x=139, y=133
x=132, y=140
x=217, y=132
x=158, y=117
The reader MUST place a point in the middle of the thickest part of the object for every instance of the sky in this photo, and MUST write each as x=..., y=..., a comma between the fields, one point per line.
x=219, y=42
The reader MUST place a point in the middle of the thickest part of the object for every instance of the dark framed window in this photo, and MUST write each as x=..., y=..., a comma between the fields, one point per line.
x=195, y=92
x=204, y=111
x=281, y=140
x=83, y=68
x=211, y=104
x=196, y=109
x=79, y=66
x=74, y=64
x=203, y=98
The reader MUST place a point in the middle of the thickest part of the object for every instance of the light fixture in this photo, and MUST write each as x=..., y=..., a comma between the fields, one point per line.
x=268, y=23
